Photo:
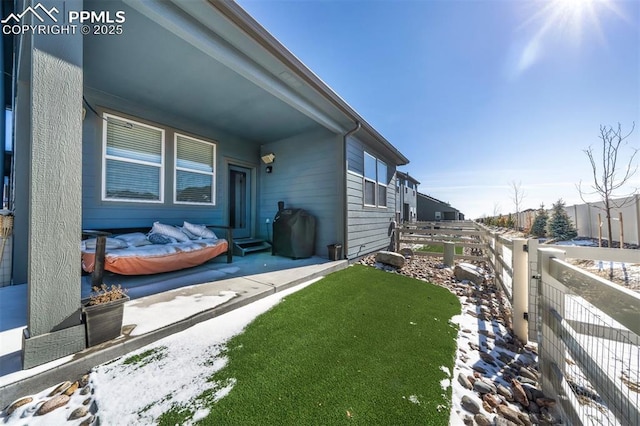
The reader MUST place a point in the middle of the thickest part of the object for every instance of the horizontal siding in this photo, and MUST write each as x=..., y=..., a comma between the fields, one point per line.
x=97, y=213
x=355, y=156
x=367, y=226
x=306, y=174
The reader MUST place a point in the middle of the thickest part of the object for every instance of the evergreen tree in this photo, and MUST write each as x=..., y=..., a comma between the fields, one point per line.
x=539, y=227
x=560, y=226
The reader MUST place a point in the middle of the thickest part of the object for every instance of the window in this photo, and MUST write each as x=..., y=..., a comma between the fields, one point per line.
x=194, y=171
x=133, y=161
x=375, y=181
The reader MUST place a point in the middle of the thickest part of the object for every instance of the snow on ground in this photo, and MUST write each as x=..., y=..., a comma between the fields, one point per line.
x=153, y=317
x=139, y=387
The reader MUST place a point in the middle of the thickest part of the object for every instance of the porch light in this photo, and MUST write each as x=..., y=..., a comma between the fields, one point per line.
x=268, y=158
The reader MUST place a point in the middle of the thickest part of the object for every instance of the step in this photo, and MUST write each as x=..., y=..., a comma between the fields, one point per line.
x=249, y=245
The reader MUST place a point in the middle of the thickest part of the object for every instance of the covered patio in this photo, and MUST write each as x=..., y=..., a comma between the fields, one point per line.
x=160, y=305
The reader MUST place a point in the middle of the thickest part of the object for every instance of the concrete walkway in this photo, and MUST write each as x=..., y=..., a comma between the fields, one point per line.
x=234, y=285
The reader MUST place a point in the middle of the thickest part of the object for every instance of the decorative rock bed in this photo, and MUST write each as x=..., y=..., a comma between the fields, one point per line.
x=496, y=376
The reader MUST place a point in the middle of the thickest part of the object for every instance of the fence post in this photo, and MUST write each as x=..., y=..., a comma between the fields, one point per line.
x=520, y=288
x=532, y=277
x=551, y=348
x=449, y=253
x=498, y=255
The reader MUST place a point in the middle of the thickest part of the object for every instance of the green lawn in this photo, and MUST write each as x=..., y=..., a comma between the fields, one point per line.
x=438, y=249
x=360, y=346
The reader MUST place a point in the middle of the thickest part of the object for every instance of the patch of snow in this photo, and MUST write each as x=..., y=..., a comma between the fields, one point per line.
x=148, y=318
x=445, y=384
x=149, y=391
x=445, y=370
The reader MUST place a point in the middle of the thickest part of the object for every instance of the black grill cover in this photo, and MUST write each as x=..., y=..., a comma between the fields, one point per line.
x=294, y=232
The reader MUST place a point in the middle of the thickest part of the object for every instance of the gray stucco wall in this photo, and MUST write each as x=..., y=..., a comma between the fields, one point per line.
x=115, y=214
x=305, y=174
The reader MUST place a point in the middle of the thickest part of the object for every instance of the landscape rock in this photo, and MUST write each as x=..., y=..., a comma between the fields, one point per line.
x=462, y=379
x=71, y=389
x=88, y=421
x=482, y=420
x=78, y=413
x=52, y=404
x=22, y=401
x=505, y=392
x=483, y=387
x=519, y=394
x=469, y=272
x=492, y=400
x=470, y=405
x=509, y=414
x=390, y=258
x=60, y=388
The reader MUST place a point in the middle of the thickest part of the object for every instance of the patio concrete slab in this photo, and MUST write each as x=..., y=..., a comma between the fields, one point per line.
x=240, y=283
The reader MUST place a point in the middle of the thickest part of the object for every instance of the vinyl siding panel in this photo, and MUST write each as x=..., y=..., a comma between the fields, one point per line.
x=306, y=174
x=368, y=226
x=97, y=213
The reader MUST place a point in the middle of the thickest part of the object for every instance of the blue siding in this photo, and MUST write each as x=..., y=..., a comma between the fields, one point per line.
x=306, y=174
x=367, y=226
x=112, y=214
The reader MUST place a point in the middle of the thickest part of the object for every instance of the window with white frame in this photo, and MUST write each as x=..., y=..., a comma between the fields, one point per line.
x=195, y=161
x=375, y=185
x=133, y=161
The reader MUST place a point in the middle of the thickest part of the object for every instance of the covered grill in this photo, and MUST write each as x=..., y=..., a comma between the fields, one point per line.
x=294, y=233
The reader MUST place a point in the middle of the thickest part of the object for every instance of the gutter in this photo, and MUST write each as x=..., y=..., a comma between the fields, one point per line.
x=236, y=14
x=345, y=210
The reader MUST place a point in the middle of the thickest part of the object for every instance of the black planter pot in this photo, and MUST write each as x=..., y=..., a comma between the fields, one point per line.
x=103, y=322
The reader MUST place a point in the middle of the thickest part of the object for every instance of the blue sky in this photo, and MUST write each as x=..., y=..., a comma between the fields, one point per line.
x=477, y=94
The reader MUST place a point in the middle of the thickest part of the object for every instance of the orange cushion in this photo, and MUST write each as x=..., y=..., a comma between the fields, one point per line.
x=155, y=259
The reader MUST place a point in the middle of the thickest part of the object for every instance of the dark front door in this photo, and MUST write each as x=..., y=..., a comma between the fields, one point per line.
x=405, y=212
x=240, y=201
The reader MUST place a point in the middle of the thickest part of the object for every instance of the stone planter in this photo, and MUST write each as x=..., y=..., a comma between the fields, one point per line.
x=103, y=322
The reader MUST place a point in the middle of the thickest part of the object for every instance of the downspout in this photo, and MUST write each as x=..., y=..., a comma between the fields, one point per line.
x=345, y=165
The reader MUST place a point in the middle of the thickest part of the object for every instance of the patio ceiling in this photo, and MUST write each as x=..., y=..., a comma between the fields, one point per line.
x=155, y=68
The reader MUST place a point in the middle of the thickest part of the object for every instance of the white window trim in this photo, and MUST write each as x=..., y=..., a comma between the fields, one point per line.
x=106, y=157
x=387, y=194
x=376, y=183
x=375, y=194
x=176, y=168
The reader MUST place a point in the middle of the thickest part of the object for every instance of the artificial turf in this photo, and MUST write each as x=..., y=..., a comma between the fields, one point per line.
x=438, y=249
x=360, y=346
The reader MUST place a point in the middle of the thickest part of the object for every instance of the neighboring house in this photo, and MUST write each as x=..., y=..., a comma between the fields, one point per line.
x=168, y=122
x=430, y=209
x=406, y=198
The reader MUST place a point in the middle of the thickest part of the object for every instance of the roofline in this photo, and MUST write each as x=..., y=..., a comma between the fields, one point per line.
x=434, y=199
x=235, y=13
x=408, y=177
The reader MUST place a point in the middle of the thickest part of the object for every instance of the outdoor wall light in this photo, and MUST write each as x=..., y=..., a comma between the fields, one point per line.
x=268, y=158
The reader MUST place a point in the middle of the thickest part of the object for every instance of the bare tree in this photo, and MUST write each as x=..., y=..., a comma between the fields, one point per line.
x=517, y=196
x=611, y=178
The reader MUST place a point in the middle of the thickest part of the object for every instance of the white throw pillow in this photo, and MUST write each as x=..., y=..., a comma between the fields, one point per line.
x=189, y=234
x=169, y=231
x=199, y=230
x=134, y=239
x=111, y=244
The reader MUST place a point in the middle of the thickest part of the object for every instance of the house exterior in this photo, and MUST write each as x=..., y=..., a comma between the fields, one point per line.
x=432, y=209
x=406, y=198
x=167, y=119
